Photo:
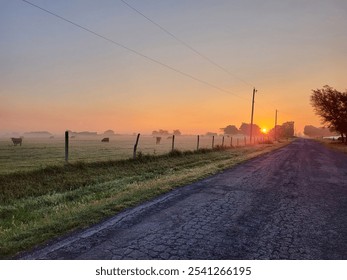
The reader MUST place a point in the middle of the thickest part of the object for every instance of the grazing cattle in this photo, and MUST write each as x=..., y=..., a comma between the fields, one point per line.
x=17, y=141
x=105, y=139
x=158, y=139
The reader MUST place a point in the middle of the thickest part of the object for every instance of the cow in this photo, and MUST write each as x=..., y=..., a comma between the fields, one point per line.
x=17, y=141
x=157, y=140
x=105, y=139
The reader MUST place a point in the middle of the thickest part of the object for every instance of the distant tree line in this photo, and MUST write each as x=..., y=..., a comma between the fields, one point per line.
x=286, y=130
x=244, y=129
x=82, y=133
x=331, y=106
x=312, y=131
x=162, y=132
x=38, y=134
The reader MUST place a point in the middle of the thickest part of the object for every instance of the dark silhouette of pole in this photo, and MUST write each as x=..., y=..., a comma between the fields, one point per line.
x=66, y=147
x=173, y=143
x=135, y=146
x=276, y=125
x=251, y=132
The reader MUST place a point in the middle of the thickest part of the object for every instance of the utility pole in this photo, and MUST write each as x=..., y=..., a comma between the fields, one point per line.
x=66, y=147
x=276, y=125
x=250, y=136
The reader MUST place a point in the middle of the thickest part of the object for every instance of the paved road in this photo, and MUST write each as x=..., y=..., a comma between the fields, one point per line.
x=290, y=204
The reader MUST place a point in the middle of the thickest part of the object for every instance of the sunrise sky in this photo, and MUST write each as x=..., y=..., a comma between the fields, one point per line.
x=55, y=76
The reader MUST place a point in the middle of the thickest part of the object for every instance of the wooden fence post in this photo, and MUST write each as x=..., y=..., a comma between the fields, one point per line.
x=197, y=144
x=173, y=143
x=223, y=141
x=135, y=146
x=231, y=141
x=66, y=147
x=212, y=142
x=245, y=141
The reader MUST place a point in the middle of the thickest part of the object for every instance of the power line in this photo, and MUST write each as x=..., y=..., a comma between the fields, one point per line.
x=132, y=50
x=185, y=43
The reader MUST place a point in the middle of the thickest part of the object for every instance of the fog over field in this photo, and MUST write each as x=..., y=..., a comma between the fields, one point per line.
x=41, y=152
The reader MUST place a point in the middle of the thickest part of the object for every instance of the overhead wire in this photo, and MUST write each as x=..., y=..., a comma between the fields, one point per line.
x=132, y=50
x=185, y=43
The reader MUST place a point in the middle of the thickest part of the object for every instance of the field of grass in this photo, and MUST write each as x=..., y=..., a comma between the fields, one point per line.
x=42, y=152
x=41, y=204
x=336, y=145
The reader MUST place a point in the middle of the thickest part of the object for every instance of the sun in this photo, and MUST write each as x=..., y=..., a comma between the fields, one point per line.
x=264, y=130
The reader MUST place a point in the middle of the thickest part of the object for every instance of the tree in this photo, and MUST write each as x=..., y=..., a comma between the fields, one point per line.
x=177, y=132
x=288, y=129
x=279, y=132
x=160, y=132
x=230, y=130
x=109, y=132
x=245, y=129
x=331, y=106
x=312, y=131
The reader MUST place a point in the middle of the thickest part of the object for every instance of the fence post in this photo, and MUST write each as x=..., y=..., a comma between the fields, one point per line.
x=212, y=141
x=66, y=147
x=231, y=141
x=197, y=144
x=173, y=143
x=245, y=141
x=135, y=146
x=223, y=141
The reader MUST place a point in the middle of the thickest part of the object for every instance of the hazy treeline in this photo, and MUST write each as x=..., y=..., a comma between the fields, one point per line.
x=312, y=131
x=286, y=130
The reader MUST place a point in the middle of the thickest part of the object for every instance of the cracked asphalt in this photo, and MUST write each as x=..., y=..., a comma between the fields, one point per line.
x=289, y=204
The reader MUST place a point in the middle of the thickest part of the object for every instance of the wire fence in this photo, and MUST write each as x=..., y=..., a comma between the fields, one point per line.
x=42, y=152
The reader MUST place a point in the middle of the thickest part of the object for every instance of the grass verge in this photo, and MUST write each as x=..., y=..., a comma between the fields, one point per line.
x=39, y=205
x=336, y=145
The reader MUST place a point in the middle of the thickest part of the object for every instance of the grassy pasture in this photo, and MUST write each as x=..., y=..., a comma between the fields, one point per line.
x=42, y=152
x=44, y=203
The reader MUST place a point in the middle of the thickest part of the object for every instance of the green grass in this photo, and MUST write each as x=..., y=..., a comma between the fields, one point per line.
x=42, y=204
